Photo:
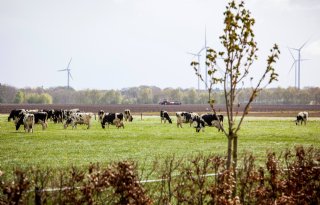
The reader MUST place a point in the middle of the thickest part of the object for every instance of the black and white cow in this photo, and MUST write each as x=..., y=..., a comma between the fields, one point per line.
x=127, y=115
x=68, y=113
x=302, y=117
x=210, y=120
x=41, y=118
x=14, y=114
x=50, y=114
x=165, y=116
x=113, y=119
x=27, y=120
x=58, y=116
x=101, y=115
x=81, y=118
x=38, y=117
x=185, y=117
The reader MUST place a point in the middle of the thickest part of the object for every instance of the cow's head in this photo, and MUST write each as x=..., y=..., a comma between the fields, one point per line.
x=299, y=118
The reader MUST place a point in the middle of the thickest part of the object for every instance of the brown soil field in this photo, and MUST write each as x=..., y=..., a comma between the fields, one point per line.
x=154, y=109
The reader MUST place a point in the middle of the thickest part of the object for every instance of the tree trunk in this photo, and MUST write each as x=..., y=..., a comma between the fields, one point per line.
x=235, y=161
x=229, y=158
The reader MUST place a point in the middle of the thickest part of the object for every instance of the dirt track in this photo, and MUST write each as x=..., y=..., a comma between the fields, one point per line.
x=256, y=110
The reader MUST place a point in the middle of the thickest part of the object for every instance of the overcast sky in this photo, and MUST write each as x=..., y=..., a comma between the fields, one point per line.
x=116, y=44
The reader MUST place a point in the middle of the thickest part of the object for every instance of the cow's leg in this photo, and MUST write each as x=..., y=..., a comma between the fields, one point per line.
x=42, y=124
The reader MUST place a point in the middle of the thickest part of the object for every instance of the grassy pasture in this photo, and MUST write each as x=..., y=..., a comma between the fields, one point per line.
x=144, y=141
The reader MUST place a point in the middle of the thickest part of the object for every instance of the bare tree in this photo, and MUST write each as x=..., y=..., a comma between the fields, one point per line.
x=239, y=52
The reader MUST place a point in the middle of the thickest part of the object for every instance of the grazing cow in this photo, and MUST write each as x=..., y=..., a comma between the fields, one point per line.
x=78, y=118
x=27, y=120
x=38, y=118
x=50, y=114
x=127, y=115
x=41, y=118
x=14, y=114
x=185, y=117
x=165, y=116
x=68, y=113
x=58, y=116
x=210, y=120
x=113, y=119
x=302, y=117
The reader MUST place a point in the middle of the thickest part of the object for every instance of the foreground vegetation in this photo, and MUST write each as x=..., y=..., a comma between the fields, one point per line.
x=197, y=180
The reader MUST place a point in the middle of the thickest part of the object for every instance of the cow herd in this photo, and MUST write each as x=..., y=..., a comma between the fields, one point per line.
x=199, y=121
x=74, y=117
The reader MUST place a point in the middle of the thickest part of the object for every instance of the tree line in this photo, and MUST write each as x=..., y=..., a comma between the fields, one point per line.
x=151, y=95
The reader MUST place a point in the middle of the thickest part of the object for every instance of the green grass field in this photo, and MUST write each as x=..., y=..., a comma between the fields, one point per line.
x=144, y=141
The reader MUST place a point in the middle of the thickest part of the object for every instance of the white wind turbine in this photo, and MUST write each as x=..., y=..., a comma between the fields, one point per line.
x=68, y=72
x=198, y=55
x=297, y=64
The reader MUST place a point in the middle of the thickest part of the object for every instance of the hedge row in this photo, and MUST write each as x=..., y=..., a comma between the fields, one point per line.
x=291, y=178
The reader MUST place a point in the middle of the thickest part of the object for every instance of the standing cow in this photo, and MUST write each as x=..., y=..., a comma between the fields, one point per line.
x=27, y=120
x=50, y=113
x=78, y=118
x=165, y=116
x=113, y=119
x=185, y=117
x=302, y=117
x=14, y=115
x=40, y=118
x=57, y=116
x=211, y=120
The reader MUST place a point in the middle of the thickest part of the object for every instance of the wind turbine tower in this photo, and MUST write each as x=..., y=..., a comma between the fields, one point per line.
x=68, y=72
x=298, y=71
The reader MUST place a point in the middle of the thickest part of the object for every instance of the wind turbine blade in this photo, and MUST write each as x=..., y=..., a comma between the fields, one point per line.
x=62, y=70
x=304, y=44
x=291, y=53
x=194, y=54
x=293, y=64
x=70, y=76
x=293, y=48
x=69, y=63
